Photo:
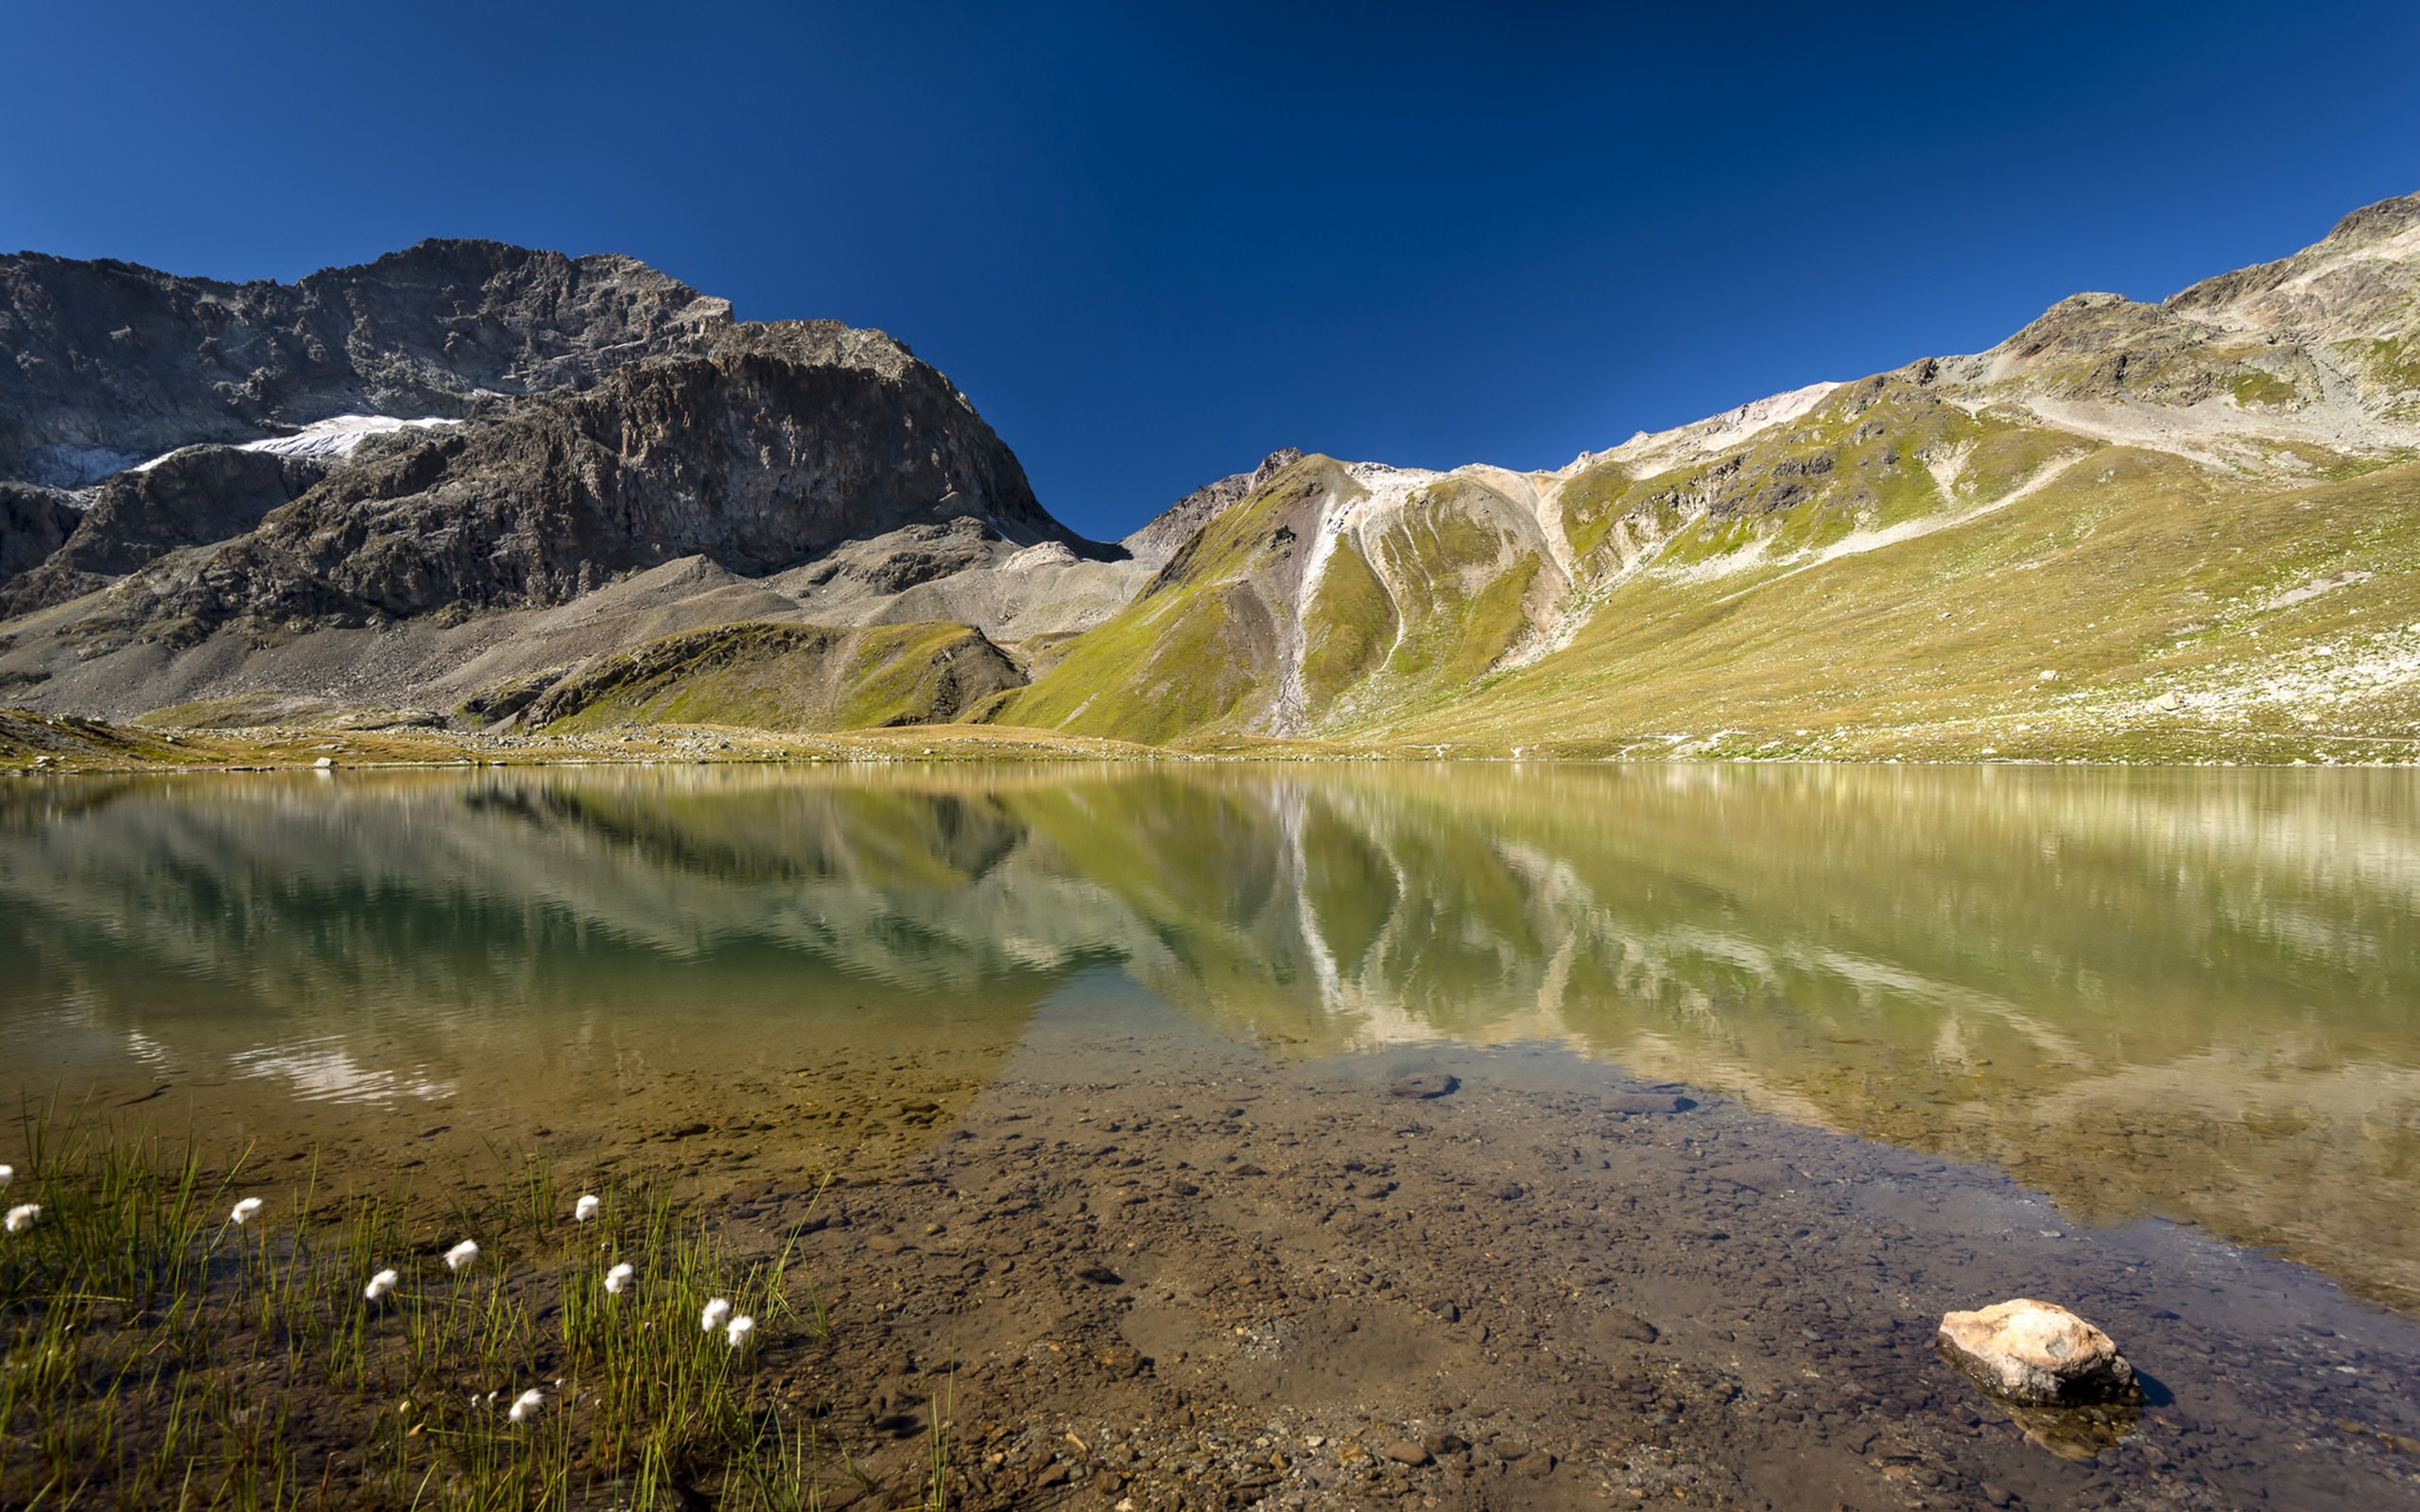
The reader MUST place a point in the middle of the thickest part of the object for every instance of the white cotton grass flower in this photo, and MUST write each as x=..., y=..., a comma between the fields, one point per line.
x=585, y=1207
x=718, y=1312
x=23, y=1218
x=742, y=1332
x=244, y=1212
x=381, y=1286
x=526, y=1405
x=462, y=1254
x=618, y=1278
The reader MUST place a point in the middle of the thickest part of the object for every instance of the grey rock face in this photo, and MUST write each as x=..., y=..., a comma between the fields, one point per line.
x=2330, y=333
x=912, y=556
x=193, y=497
x=780, y=443
x=115, y=363
x=34, y=522
x=2359, y=282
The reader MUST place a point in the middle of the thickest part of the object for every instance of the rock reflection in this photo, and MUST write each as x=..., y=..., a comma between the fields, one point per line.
x=2183, y=993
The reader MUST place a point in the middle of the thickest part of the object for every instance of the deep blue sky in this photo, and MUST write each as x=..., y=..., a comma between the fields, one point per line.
x=1153, y=240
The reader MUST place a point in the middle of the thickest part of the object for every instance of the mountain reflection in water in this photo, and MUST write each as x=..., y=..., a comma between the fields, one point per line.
x=2188, y=993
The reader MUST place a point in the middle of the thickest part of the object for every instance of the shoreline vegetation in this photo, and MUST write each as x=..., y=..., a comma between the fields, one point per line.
x=44, y=743
x=186, y=1328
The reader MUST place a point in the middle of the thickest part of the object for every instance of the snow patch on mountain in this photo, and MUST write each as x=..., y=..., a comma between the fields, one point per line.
x=326, y=439
x=338, y=435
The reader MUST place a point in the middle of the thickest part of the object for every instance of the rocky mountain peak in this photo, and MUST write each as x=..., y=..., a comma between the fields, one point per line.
x=461, y=427
x=2372, y=224
x=2361, y=282
x=116, y=363
x=1171, y=527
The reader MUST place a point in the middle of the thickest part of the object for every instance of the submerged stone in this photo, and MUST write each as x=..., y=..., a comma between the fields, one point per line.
x=2036, y=1354
x=1645, y=1105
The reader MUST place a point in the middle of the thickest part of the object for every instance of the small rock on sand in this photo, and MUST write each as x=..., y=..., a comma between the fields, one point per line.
x=1424, y=1084
x=2035, y=1354
x=1404, y=1452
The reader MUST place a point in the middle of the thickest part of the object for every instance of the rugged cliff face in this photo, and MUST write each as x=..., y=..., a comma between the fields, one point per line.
x=34, y=522
x=192, y=497
x=115, y=363
x=462, y=430
x=778, y=444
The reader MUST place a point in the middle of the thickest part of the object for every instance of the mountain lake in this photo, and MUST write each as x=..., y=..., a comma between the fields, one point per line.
x=1175, y=1134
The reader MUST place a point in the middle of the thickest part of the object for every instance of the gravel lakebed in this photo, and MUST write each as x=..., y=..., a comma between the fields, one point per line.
x=1122, y=1259
x=1149, y=1267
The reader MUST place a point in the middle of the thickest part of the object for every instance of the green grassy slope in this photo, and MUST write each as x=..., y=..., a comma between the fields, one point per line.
x=1888, y=575
x=1242, y=634
x=1467, y=585
x=1198, y=648
x=2134, y=605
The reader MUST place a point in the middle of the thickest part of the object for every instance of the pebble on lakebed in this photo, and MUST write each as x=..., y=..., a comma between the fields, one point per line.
x=1425, y=1084
x=2036, y=1354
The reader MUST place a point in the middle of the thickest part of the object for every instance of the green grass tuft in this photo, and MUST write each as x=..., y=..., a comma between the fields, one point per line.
x=156, y=1354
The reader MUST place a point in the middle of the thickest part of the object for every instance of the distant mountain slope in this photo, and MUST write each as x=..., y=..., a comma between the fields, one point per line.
x=467, y=431
x=1330, y=587
x=2089, y=538
x=773, y=445
x=475, y=483
x=772, y=676
x=1160, y=536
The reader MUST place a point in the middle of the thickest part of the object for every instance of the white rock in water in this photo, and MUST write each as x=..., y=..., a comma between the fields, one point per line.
x=2036, y=1353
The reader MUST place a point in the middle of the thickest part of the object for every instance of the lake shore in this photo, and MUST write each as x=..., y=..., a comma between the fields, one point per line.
x=1149, y=1267
x=35, y=743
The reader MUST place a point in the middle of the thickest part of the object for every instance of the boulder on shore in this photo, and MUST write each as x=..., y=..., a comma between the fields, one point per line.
x=2035, y=1354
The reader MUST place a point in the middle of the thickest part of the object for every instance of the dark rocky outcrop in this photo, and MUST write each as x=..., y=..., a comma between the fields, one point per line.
x=191, y=498
x=34, y=522
x=114, y=363
x=781, y=442
x=917, y=554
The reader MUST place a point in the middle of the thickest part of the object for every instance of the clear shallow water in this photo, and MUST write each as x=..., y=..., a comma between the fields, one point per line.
x=2186, y=994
